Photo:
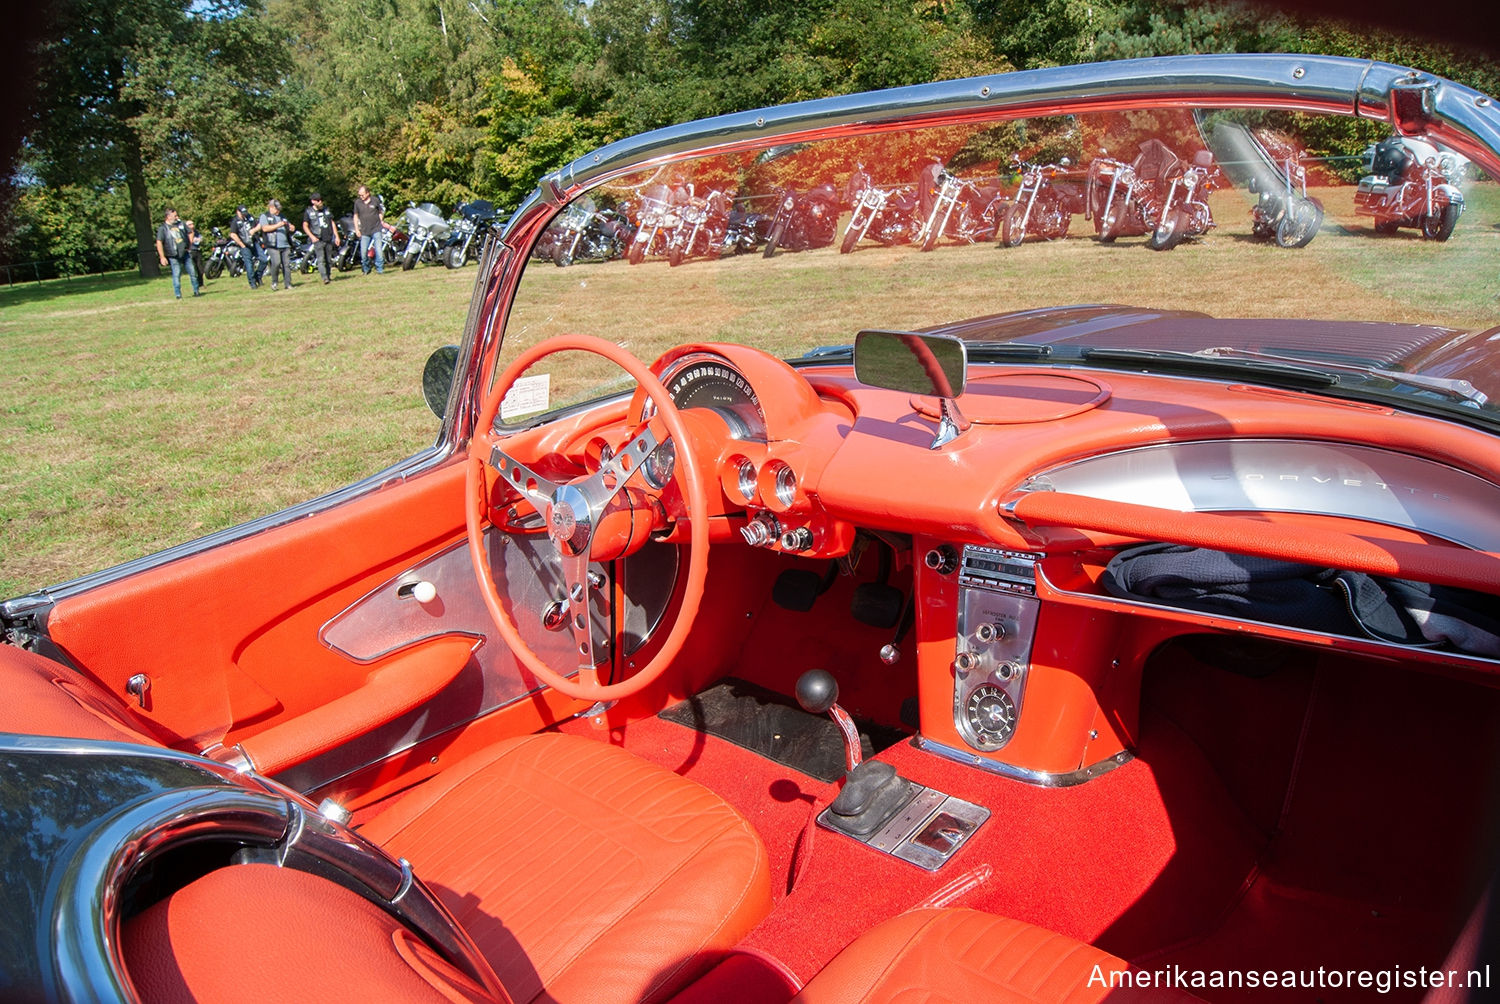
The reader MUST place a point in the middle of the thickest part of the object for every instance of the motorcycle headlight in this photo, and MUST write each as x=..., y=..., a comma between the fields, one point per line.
x=787, y=205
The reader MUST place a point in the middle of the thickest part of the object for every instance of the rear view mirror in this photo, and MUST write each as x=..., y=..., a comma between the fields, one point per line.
x=437, y=378
x=915, y=363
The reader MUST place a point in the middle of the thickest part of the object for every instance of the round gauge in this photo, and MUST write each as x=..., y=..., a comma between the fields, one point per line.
x=701, y=380
x=991, y=716
x=660, y=464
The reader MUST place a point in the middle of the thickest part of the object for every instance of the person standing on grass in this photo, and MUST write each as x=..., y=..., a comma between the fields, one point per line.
x=319, y=225
x=174, y=246
x=276, y=231
x=369, y=227
x=243, y=231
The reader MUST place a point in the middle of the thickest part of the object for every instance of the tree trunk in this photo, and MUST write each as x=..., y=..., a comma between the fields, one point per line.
x=140, y=204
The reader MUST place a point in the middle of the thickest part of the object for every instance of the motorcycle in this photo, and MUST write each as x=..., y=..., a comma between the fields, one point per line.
x=585, y=234
x=1156, y=195
x=960, y=209
x=746, y=232
x=1044, y=204
x=803, y=221
x=885, y=215
x=346, y=255
x=1412, y=184
x=701, y=224
x=225, y=254
x=428, y=229
x=658, y=219
x=469, y=228
x=1283, y=211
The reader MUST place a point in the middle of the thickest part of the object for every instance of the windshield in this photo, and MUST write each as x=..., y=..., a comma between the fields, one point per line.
x=1258, y=238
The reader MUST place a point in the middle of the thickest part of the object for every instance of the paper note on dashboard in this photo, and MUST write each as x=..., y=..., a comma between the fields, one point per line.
x=526, y=396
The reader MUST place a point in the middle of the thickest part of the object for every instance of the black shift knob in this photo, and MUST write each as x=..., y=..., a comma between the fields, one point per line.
x=817, y=691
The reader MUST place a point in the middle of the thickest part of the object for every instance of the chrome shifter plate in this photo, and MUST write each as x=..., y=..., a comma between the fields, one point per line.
x=927, y=831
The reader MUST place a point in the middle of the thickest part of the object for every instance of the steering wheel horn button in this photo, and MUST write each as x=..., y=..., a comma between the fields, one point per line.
x=570, y=521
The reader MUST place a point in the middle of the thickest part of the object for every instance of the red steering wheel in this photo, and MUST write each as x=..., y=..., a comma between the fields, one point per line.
x=573, y=511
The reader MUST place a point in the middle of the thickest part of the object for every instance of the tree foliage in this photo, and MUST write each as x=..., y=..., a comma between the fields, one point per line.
x=213, y=103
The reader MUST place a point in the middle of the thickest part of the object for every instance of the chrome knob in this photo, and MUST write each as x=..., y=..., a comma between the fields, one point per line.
x=966, y=663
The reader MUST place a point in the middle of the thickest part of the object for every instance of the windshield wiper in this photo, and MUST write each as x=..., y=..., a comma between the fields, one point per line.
x=1007, y=351
x=1193, y=364
x=1461, y=389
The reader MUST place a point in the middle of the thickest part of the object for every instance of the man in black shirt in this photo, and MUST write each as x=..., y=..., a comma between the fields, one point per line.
x=321, y=228
x=369, y=227
x=243, y=232
x=174, y=246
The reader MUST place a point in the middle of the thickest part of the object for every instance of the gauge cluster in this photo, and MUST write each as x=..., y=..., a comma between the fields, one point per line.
x=770, y=413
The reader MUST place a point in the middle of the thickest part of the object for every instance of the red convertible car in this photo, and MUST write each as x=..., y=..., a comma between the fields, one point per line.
x=1058, y=623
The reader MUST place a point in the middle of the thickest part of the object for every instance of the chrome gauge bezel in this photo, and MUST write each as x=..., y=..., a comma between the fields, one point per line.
x=746, y=418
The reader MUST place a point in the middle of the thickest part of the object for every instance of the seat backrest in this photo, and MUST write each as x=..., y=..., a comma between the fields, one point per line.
x=46, y=698
x=1155, y=161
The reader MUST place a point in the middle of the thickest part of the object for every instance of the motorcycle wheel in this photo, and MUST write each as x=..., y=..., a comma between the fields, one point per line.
x=214, y=267
x=1168, y=233
x=1439, y=226
x=774, y=241
x=560, y=256
x=409, y=260
x=1109, y=229
x=674, y=256
x=454, y=256
x=1012, y=233
x=1299, y=224
x=637, y=252
x=851, y=238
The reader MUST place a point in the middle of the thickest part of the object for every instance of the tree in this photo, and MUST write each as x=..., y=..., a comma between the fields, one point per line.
x=137, y=91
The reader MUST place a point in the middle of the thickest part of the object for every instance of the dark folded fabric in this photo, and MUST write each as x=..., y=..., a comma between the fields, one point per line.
x=1306, y=596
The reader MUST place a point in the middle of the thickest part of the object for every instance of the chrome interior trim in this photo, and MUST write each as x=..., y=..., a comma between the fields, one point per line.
x=1042, y=779
x=1368, y=483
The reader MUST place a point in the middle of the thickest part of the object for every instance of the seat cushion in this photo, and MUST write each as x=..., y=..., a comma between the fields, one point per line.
x=933, y=956
x=581, y=868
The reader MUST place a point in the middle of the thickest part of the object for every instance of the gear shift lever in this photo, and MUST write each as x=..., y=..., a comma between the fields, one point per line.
x=818, y=693
x=873, y=792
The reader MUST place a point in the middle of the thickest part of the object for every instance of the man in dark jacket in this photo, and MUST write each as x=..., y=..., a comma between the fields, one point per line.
x=321, y=228
x=174, y=246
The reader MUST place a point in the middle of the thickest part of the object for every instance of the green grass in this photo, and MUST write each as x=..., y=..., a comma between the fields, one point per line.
x=130, y=421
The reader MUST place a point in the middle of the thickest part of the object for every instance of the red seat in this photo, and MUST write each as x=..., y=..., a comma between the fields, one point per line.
x=965, y=955
x=583, y=874
x=582, y=869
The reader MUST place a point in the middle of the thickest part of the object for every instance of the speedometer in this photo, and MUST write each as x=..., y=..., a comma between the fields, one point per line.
x=702, y=380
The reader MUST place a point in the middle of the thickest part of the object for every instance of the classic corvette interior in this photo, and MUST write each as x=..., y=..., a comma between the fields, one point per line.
x=890, y=624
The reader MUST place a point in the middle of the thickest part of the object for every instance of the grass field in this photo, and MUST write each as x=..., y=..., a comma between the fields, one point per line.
x=130, y=421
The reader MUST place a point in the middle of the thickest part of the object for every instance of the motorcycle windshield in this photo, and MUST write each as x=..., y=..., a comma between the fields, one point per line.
x=1368, y=282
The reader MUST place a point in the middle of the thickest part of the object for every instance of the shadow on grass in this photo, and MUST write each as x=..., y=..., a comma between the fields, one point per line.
x=55, y=289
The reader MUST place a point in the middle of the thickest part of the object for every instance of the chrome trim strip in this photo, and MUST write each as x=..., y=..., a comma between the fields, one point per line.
x=1040, y=778
x=1312, y=476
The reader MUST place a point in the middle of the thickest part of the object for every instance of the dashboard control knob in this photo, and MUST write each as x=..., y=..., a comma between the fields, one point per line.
x=761, y=530
x=1006, y=670
x=966, y=662
x=989, y=632
x=942, y=560
x=799, y=539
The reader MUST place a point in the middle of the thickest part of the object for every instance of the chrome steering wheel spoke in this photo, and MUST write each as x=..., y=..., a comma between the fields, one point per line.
x=575, y=569
x=602, y=486
x=532, y=486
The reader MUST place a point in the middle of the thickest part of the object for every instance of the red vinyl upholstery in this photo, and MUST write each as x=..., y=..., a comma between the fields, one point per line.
x=582, y=869
x=45, y=698
x=965, y=955
x=262, y=933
